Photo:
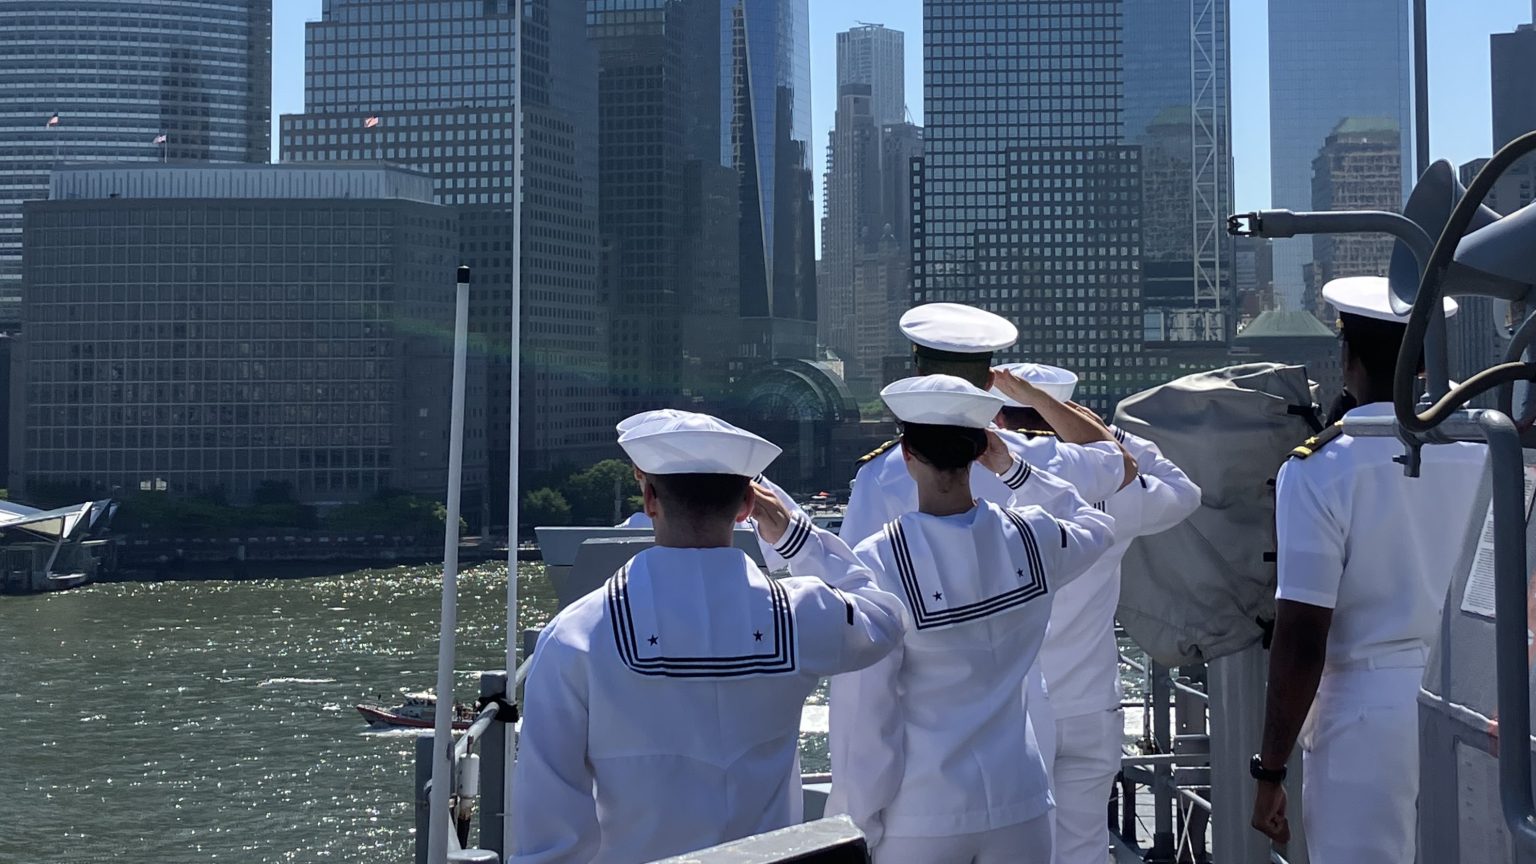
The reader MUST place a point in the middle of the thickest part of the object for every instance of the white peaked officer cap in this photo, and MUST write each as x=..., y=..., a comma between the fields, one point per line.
x=1053, y=380
x=697, y=444
x=1366, y=296
x=941, y=400
x=636, y=420
x=954, y=331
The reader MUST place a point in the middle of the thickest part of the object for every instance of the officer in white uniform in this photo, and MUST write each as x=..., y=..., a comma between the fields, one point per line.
x=663, y=710
x=1365, y=559
x=927, y=755
x=1080, y=659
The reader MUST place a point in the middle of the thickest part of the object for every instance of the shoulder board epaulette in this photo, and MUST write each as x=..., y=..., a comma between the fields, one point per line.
x=877, y=452
x=1037, y=433
x=1318, y=441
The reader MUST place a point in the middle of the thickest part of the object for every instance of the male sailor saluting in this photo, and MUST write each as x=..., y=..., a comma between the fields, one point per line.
x=927, y=752
x=1080, y=659
x=663, y=709
x=641, y=519
x=1365, y=559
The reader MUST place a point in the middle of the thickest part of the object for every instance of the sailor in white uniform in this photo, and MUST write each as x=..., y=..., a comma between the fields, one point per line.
x=641, y=519
x=1080, y=659
x=1365, y=559
x=927, y=752
x=958, y=340
x=663, y=710
x=954, y=339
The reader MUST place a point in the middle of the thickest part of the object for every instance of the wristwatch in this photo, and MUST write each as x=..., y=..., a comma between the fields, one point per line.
x=1257, y=771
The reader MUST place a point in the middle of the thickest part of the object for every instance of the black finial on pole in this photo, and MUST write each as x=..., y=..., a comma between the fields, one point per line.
x=463, y=274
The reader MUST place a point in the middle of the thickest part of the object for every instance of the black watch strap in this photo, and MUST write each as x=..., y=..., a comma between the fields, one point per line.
x=1257, y=771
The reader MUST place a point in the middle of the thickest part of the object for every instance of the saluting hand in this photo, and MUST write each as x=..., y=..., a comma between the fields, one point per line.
x=997, y=458
x=1017, y=389
x=1269, y=812
x=770, y=514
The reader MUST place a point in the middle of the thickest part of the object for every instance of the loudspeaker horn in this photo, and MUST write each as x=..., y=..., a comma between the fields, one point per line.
x=1434, y=197
x=1501, y=256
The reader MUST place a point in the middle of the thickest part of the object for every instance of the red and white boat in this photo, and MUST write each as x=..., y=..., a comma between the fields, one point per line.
x=418, y=711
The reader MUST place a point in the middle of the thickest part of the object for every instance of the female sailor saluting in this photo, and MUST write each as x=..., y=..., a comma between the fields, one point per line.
x=928, y=752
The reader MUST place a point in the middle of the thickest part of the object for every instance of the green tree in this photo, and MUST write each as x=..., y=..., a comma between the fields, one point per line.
x=592, y=492
x=545, y=506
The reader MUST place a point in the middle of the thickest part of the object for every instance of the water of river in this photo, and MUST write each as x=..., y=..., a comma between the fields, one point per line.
x=191, y=722
x=213, y=721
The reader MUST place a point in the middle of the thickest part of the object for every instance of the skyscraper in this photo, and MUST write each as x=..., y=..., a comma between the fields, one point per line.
x=1328, y=60
x=1177, y=108
x=765, y=63
x=1356, y=169
x=73, y=89
x=875, y=55
x=1029, y=202
x=858, y=243
x=430, y=84
x=852, y=225
x=1513, y=57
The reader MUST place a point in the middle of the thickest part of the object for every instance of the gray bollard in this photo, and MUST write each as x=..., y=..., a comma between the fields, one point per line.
x=419, y=795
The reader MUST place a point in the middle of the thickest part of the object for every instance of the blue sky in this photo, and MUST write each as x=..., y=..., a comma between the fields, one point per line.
x=1459, y=94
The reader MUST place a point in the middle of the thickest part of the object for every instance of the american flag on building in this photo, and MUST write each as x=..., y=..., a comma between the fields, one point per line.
x=370, y=122
x=161, y=138
x=54, y=120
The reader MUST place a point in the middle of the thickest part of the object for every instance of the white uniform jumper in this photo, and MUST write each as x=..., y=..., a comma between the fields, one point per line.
x=1357, y=536
x=927, y=755
x=1081, y=660
x=1059, y=477
x=663, y=710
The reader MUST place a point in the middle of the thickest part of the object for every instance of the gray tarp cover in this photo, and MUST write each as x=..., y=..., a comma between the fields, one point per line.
x=1194, y=592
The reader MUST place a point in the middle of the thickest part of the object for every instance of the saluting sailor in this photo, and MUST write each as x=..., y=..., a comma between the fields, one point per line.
x=663, y=710
x=954, y=339
x=641, y=519
x=927, y=752
x=1365, y=559
x=1080, y=659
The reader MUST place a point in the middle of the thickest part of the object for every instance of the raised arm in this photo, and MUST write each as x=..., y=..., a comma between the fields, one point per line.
x=1168, y=495
x=1068, y=544
x=1074, y=424
x=556, y=816
x=771, y=557
x=845, y=622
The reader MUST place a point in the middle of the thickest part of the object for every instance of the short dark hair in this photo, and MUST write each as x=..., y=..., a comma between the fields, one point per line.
x=1375, y=343
x=1025, y=419
x=974, y=371
x=946, y=448
x=700, y=497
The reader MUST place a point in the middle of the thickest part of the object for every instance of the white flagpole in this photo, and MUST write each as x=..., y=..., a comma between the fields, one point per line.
x=440, y=822
x=514, y=421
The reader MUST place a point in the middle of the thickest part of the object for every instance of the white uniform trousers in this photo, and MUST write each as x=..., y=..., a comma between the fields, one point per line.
x=1025, y=843
x=1088, y=751
x=1360, y=782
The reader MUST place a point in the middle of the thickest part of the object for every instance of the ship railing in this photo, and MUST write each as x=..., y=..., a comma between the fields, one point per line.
x=479, y=750
x=1161, y=809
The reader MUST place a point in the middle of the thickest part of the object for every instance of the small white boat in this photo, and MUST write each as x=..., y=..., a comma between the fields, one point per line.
x=416, y=712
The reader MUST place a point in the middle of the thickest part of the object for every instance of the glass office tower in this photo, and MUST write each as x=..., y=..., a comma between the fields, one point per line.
x=1330, y=60
x=197, y=71
x=1028, y=203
